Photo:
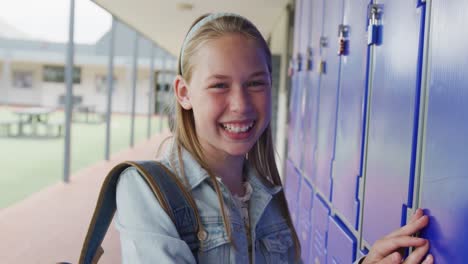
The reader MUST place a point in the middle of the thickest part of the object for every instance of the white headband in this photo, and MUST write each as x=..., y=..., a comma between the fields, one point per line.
x=197, y=26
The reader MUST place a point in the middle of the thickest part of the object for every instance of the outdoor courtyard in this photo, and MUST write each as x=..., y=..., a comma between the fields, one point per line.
x=30, y=163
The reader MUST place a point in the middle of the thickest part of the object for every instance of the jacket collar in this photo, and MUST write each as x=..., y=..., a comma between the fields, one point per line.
x=195, y=174
x=258, y=183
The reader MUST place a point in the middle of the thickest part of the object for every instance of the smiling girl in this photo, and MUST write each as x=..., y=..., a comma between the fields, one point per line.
x=222, y=150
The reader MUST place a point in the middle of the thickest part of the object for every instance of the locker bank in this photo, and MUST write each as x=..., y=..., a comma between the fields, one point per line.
x=370, y=117
x=378, y=124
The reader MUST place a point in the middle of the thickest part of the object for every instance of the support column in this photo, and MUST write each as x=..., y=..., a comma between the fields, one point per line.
x=6, y=77
x=110, y=87
x=134, y=84
x=151, y=93
x=69, y=93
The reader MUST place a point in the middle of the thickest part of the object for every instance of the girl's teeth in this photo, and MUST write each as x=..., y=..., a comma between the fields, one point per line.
x=237, y=129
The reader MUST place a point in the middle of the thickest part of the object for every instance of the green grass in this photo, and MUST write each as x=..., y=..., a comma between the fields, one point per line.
x=29, y=165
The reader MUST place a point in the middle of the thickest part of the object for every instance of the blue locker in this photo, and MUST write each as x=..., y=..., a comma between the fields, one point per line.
x=445, y=164
x=313, y=85
x=293, y=119
x=304, y=82
x=341, y=243
x=393, y=119
x=305, y=26
x=297, y=28
x=297, y=152
x=305, y=219
x=291, y=122
x=301, y=82
x=291, y=191
x=320, y=213
x=349, y=127
x=328, y=96
x=295, y=88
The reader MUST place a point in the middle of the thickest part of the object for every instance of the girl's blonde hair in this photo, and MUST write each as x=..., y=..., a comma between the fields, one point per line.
x=262, y=155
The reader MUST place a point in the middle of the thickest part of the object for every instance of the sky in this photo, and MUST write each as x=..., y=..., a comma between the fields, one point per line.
x=49, y=19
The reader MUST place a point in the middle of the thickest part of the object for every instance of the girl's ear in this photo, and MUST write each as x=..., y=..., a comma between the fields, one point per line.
x=181, y=92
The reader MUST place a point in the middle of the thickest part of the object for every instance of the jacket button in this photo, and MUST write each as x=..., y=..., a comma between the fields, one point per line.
x=202, y=235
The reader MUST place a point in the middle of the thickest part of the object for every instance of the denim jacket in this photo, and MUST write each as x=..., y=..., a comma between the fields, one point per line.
x=148, y=234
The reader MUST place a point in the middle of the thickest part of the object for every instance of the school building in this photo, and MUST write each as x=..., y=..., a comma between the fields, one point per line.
x=32, y=72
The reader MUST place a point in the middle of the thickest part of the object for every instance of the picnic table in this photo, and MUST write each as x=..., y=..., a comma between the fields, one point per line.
x=88, y=112
x=33, y=116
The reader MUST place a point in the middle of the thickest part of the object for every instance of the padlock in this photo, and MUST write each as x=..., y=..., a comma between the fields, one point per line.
x=343, y=41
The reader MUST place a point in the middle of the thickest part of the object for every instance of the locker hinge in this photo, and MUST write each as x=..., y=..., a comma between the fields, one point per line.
x=343, y=40
x=360, y=189
x=374, y=30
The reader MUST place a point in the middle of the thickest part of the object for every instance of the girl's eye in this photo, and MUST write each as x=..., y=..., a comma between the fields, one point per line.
x=256, y=83
x=219, y=85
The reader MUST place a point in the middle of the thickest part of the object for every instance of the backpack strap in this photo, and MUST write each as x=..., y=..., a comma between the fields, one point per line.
x=168, y=190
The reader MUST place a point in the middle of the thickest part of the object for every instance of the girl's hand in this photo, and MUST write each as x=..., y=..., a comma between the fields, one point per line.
x=388, y=250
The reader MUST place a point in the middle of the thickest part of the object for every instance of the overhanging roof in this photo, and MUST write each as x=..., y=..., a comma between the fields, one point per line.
x=164, y=23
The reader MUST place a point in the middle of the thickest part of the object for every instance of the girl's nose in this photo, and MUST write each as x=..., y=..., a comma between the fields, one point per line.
x=240, y=101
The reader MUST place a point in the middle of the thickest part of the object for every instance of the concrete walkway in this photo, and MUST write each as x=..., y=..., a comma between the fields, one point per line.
x=50, y=225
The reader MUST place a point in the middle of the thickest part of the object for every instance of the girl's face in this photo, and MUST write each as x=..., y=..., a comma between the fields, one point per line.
x=230, y=94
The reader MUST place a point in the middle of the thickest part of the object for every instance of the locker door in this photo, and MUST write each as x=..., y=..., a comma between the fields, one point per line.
x=393, y=109
x=328, y=96
x=292, y=120
x=349, y=130
x=298, y=133
x=313, y=80
x=445, y=160
x=296, y=80
x=305, y=82
x=297, y=28
x=305, y=26
x=320, y=213
x=305, y=219
x=303, y=85
x=292, y=187
x=341, y=243
x=292, y=103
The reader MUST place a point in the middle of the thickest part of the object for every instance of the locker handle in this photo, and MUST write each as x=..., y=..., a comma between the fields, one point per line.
x=309, y=63
x=299, y=62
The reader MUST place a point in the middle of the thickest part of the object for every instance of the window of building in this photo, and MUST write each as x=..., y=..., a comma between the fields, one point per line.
x=163, y=87
x=57, y=74
x=22, y=79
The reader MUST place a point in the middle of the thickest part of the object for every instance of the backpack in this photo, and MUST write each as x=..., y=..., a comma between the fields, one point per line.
x=168, y=190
